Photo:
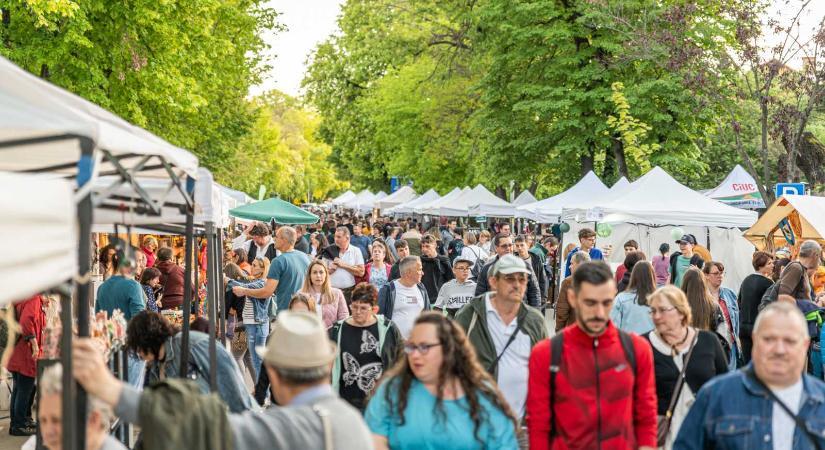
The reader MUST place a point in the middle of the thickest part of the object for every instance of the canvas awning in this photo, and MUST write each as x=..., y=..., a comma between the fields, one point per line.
x=524, y=198
x=806, y=213
x=433, y=208
x=739, y=190
x=549, y=210
x=274, y=209
x=402, y=195
x=409, y=207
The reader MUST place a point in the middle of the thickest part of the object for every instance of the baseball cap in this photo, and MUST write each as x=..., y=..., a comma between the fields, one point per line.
x=463, y=259
x=688, y=239
x=508, y=264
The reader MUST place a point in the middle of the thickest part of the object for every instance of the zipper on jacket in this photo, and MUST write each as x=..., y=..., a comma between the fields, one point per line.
x=598, y=395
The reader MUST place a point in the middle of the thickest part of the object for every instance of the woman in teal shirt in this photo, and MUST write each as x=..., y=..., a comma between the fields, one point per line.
x=437, y=393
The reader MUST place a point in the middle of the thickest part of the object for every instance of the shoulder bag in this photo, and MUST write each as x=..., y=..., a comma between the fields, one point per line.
x=663, y=422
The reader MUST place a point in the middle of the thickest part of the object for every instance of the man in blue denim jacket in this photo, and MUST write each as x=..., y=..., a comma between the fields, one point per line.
x=735, y=411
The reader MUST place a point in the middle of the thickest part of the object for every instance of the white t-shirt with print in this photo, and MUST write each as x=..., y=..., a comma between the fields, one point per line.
x=408, y=305
x=341, y=278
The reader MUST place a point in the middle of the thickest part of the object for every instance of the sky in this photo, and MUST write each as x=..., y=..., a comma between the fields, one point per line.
x=310, y=22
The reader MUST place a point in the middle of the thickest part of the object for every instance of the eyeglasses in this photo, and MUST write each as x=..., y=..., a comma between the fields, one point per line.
x=505, y=245
x=422, y=348
x=463, y=269
x=716, y=273
x=654, y=311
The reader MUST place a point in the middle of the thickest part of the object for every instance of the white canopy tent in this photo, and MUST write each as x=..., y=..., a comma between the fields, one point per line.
x=241, y=198
x=619, y=184
x=362, y=199
x=409, y=207
x=524, y=198
x=367, y=207
x=402, y=195
x=39, y=214
x=658, y=199
x=481, y=202
x=433, y=208
x=739, y=189
x=811, y=213
x=550, y=209
x=343, y=198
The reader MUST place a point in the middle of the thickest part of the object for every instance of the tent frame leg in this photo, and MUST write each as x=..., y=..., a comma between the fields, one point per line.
x=187, y=286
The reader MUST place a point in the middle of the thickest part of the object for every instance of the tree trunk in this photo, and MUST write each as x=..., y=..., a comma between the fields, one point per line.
x=533, y=186
x=763, y=120
x=587, y=161
x=501, y=192
x=609, y=169
x=621, y=162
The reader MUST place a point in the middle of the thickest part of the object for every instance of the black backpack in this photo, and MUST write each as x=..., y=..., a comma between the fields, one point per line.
x=772, y=294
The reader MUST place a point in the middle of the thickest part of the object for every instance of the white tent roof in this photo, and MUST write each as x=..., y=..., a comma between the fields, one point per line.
x=212, y=203
x=739, y=189
x=433, y=208
x=363, y=199
x=549, y=210
x=658, y=199
x=524, y=198
x=811, y=212
x=402, y=195
x=619, y=184
x=481, y=202
x=409, y=207
x=343, y=198
x=38, y=230
x=33, y=108
x=241, y=198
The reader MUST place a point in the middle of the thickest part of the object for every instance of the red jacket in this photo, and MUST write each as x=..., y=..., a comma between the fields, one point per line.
x=171, y=277
x=32, y=319
x=615, y=411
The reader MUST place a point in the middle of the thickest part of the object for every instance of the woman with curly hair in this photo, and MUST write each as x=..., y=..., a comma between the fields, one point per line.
x=436, y=392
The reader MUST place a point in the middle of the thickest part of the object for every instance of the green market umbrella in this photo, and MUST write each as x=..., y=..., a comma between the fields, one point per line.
x=274, y=209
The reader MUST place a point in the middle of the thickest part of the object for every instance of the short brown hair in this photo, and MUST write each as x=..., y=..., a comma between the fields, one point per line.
x=711, y=264
x=428, y=239
x=259, y=229
x=586, y=233
x=761, y=259
x=365, y=293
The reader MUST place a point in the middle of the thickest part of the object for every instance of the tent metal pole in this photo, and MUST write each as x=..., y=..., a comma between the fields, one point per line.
x=69, y=437
x=85, y=168
x=212, y=298
x=187, y=283
x=220, y=291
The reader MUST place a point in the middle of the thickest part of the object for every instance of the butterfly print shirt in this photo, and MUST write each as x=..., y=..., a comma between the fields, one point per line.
x=361, y=363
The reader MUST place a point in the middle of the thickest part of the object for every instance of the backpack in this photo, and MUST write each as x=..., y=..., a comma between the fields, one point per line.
x=556, y=348
x=772, y=294
x=454, y=249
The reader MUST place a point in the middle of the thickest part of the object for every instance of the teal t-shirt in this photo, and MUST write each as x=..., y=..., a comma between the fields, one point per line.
x=425, y=429
x=120, y=293
x=682, y=265
x=289, y=269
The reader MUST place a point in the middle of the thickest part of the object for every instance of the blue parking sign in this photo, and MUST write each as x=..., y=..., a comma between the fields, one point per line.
x=789, y=189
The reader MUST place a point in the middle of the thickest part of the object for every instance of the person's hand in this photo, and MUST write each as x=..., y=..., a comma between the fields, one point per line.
x=90, y=370
x=35, y=349
x=238, y=290
x=820, y=299
x=336, y=263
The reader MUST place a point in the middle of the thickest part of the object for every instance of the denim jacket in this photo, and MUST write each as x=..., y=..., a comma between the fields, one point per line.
x=261, y=306
x=733, y=308
x=733, y=412
x=231, y=387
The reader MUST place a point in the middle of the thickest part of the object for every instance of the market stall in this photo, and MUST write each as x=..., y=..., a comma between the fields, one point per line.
x=274, y=209
x=790, y=220
x=408, y=207
x=433, y=208
x=549, y=210
x=739, y=189
x=402, y=195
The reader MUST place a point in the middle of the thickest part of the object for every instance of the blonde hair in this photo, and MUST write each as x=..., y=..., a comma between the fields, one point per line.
x=676, y=297
x=300, y=297
x=150, y=240
x=327, y=297
x=265, y=262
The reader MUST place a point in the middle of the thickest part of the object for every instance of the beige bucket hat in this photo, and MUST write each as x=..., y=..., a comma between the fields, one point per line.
x=298, y=341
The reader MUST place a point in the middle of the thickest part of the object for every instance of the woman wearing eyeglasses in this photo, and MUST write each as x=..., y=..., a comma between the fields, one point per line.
x=676, y=343
x=436, y=393
x=715, y=274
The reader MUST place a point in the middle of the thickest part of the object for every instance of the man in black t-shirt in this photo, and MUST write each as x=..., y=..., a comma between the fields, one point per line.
x=367, y=345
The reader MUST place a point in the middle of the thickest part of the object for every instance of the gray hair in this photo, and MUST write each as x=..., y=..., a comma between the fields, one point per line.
x=300, y=377
x=810, y=249
x=51, y=383
x=289, y=234
x=343, y=229
x=407, y=264
x=786, y=309
x=580, y=257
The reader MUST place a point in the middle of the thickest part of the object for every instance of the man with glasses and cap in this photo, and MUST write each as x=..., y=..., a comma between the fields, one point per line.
x=298, y=359
x=681, y=261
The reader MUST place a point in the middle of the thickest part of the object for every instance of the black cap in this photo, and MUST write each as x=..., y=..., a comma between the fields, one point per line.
x=688, y=239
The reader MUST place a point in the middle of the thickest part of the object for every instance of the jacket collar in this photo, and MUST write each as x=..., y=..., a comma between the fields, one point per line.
x=809, y=393
x=579, y=337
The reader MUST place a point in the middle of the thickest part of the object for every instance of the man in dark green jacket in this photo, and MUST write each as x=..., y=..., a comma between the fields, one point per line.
x=503, y=330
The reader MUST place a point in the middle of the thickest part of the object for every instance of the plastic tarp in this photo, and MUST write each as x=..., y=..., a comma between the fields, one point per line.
x=549, y=210
x=433, y=208
x=38, y=231
x=402, y=195
x=811, y=212
x=277, y=210
x=739, y=189
x=409, y=207
x=343, y=198
x=211, y=203
x=658, y=199
x=33, y=108
x=524, y=198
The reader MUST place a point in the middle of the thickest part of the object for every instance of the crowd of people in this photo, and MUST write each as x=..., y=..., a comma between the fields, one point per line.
x=391, y=335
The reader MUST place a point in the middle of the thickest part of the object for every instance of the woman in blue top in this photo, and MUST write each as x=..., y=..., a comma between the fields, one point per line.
x=150, y=282
x=438, y=391
x=630, y=310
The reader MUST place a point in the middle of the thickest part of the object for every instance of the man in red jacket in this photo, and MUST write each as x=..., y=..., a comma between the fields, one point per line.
x=603, y=393
x=23, y=364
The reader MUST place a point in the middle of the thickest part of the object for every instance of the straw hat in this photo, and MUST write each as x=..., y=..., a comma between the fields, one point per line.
x=298, y=341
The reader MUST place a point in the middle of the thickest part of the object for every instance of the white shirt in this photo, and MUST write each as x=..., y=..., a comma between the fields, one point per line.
x=474, y=253
x=782, y=425
x=246, y=244
x=513, y=365
x=342, y=279
x=408, y=305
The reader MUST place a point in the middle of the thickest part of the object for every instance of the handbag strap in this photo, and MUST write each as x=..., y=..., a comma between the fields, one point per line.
x=494, y=364
x=681, y=381
x=798, y=420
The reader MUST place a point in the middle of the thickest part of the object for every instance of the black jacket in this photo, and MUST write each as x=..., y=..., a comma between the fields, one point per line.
x=437, y=271
x=541, y=275
x=386, y=299
x=750, y=295
x=695, y=260
x=531, y=297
